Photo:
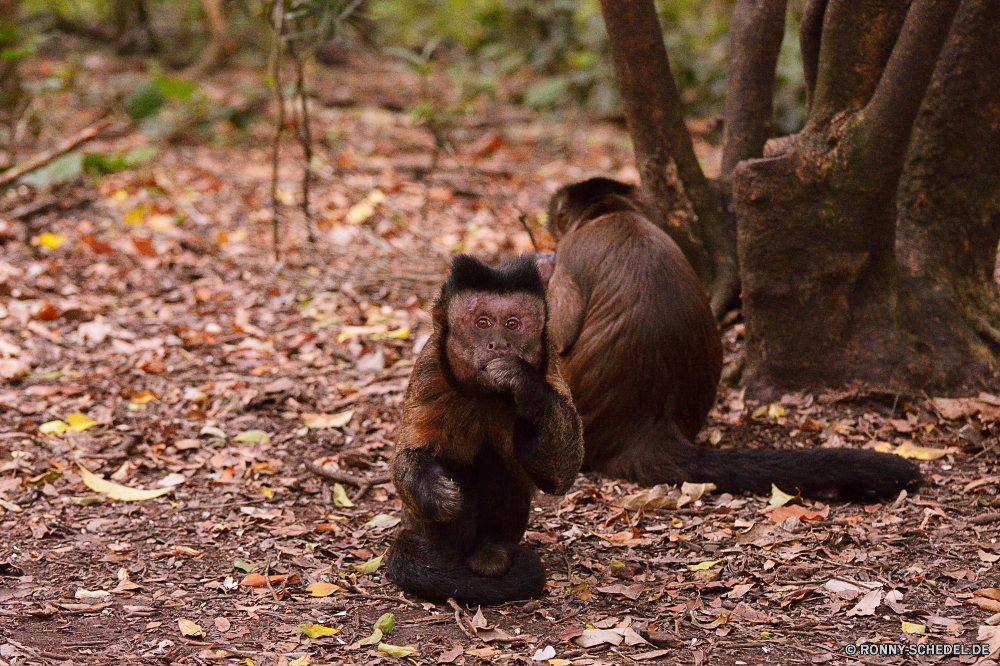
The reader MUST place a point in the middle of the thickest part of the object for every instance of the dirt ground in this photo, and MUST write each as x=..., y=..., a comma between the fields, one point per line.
x=144, y=310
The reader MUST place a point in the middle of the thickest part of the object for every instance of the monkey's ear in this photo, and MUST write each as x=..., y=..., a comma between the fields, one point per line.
x=566, y=309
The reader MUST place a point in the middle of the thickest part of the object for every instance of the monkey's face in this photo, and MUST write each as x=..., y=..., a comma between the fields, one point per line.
x=484, y=326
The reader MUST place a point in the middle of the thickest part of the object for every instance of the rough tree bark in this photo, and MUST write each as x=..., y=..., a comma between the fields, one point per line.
x=825, y=301
x=663, y=146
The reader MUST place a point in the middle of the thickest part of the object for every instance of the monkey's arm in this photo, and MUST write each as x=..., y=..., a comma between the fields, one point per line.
x=566, y=308
x=424, y=486
x=548, y=435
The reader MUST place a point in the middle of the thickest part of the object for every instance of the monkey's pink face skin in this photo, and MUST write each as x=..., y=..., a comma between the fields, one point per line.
x=483, y=326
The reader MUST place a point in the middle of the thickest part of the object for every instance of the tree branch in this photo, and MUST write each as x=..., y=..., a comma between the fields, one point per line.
x=858, y=36
x=41, y=159
x=810, y=38
x=888, y=118
x=755, y=33
x=653, y=112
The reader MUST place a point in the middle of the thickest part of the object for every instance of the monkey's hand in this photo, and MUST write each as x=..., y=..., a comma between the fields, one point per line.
x=425, y=487
x=514, y=375
x=508, y=374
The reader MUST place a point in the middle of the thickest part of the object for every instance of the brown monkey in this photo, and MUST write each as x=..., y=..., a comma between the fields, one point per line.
x=642, y=356
x=487, y=418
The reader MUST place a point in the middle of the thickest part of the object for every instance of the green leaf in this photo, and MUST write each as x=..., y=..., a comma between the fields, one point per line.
x=374, y=639
x=60, y=171
x=379, y=519
x=243, y=565
x=177, y=88
x=547, y=93
x=253, y=437
x=143, y=100
x=386, y=623
x=140, y=154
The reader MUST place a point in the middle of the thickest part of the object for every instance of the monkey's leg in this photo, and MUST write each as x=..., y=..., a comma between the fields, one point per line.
x=425, y=487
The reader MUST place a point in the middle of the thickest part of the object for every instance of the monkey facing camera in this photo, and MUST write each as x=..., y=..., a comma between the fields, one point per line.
x=487, y=418
x=642, y=355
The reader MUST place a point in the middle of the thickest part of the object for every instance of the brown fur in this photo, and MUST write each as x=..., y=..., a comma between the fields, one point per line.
x=642, y=355
x=487, y=418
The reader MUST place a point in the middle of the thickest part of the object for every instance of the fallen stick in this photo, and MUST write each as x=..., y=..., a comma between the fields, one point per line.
x=41, y=159
x=460, y=619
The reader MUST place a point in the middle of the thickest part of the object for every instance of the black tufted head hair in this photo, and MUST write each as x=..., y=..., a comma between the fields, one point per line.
x=517, y=274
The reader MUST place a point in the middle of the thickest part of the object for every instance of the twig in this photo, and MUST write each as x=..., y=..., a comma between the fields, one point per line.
x=279, y=97
x=386, y=597
x=267, y=580
x=984, y=519
x=41, y=159
x=524, y=223
x=363, y=485
x=30, y=208
x=460, y=619
x=303, y=134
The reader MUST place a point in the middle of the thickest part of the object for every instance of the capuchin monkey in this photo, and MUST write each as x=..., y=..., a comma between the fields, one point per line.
x=641, y=353
x=487, y=418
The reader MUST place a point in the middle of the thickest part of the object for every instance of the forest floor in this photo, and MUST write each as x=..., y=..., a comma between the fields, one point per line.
x=145, y=311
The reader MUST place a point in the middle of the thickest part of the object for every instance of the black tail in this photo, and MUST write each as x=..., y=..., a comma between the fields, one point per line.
x=428, y=571
x=853, y=474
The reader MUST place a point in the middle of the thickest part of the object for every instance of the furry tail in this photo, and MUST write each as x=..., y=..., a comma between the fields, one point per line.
x=853, y=474
x=657, y=453
x=428, y=571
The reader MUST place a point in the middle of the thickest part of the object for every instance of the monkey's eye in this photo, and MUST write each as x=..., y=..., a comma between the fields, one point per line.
x=483, y=322
x=513, y=324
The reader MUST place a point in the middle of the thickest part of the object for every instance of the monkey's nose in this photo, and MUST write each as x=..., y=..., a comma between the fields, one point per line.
x=502, y=345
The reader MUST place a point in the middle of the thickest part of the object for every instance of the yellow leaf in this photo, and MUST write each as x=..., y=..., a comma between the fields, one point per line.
x=360, y=212
x=340, y=497
x=322, y=589
x=399, y=333
x=268, y=492
x=301, y=661
x=780, y=498
x=883, y=447
x=53, y=428
x=349, y=332
x=705, y=566
x=775, y=410
x=79, y=422
x=316, y=630
x=322, y=421
x=189, y=628
x=911, y=450
x=911, y=628
x=396, y=651
x=134, y=217
x=368, y=567
x=117, y=491
x=49, y=240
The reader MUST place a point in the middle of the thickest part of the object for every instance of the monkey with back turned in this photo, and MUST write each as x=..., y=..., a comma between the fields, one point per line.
x=487, y=418
x=642, y=356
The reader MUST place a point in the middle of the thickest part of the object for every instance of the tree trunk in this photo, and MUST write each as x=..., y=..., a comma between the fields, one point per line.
x=664, y=151
x=949, y=198
x=824, y=301
x=11, y=93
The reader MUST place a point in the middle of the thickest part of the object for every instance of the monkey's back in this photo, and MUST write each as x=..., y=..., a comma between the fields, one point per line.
x=647, y=330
